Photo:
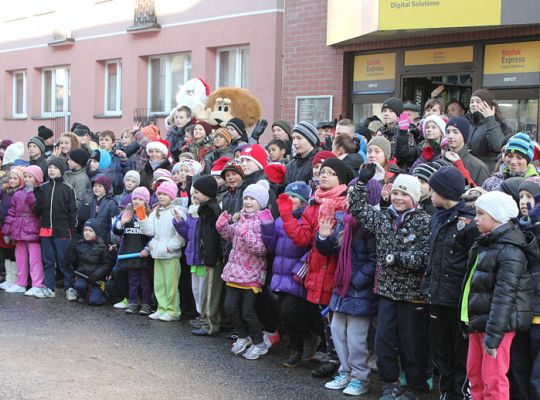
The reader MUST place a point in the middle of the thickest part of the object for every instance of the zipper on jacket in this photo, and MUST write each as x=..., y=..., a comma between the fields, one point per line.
x=52, y=198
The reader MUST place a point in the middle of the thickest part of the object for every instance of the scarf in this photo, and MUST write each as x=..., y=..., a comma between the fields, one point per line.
x=331, y=201
x=154, y=164
x=344, y=265
x=193, y=210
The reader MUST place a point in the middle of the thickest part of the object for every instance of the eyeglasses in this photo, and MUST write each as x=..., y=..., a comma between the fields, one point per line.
x=327, y=172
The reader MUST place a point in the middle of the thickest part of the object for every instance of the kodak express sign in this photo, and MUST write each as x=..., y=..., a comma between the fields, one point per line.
x=374, y=73
x=512, y=64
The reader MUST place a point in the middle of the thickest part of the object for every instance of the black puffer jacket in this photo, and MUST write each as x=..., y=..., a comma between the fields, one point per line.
x=56, y=206
x=210, y=243
x=89, y=258
x=300, y=169
x=453, y=233
x=534, y=269
x=501, y=290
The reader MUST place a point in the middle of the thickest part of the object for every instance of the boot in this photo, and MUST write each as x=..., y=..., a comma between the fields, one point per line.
x=11, y=275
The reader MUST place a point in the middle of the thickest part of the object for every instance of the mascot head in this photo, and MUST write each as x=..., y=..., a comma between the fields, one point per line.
x=194, y=92
x=229, y=102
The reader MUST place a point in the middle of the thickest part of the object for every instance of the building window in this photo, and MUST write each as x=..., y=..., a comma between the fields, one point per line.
x=55, y=91
x=233, y=67
x=166, y=74
x=19, y=94
x=113, y=87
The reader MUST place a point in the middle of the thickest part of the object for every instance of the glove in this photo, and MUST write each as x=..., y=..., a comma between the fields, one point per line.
x=490, y=352
x=141, y=213
x=404, y=122
x=6, y=239
x=223, y=220
x=534, y=214
x=367, y=172
x=258, y=130
x=28, y=187
x=285, y=204
x=266, y=216
x=92, y=278
x=428, y=153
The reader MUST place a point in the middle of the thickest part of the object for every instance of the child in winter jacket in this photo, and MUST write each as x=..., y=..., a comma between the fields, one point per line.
x=497, y=294
x=139, y=269
x=402, y=232
x=103, y=207
x=90, y=260
x=165, y=248
x=22, y=226
x=183, y=174
x=180, y=118
x=14, y=182
x=77, y=176
x=132, y=179
x=119, y=166
x=245, y=272
x=203, y=253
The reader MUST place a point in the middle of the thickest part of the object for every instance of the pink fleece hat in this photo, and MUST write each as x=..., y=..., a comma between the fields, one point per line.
x=141, y=193
x=168, y=188
x=36, y=172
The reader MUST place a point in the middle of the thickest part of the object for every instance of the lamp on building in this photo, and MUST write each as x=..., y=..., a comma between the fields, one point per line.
x=144, y=17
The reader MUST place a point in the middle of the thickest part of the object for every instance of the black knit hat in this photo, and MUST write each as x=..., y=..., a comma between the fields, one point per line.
x=80, y=156
x=448, y=182
x=309, y=131
x=394, y=104
x=283, y=125
x=238, y=126
x=93, y=224
x=207, y=185
x=81, y=130
x=343, y=171
x=44, y=132
x=38, y=142
x=58, y=163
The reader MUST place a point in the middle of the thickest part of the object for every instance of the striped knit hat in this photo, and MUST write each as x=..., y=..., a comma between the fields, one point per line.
x=309, y=131
x=522, y=144
x=425, y=171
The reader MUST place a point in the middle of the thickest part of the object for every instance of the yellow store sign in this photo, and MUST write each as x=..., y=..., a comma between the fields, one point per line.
x=439, y=56
x=512, y=64
x=374, y=72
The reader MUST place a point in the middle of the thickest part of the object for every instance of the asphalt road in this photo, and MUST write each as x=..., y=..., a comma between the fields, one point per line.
x=52, y=349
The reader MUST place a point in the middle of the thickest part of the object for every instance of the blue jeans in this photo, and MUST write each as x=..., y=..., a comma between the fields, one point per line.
x=53, y=250
x=91, y=293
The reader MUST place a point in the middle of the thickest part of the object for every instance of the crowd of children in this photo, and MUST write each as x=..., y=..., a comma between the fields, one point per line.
x=406, y=245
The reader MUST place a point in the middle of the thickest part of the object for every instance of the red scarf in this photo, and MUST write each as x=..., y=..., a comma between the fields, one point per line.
x=331, y=201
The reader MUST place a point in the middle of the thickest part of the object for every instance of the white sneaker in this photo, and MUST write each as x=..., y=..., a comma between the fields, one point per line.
x=240, y=345
x=155, y=315
x=356, y=388
x=32, y=291
x=71, y=295
x=256, y=351
x=44, y=293
x=340, y=382
x=16, y=289
x=6, y=285
x=121, y=305
x=167, y=317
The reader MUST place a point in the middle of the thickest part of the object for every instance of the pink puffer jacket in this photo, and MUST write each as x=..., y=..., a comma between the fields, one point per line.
x=21, y=221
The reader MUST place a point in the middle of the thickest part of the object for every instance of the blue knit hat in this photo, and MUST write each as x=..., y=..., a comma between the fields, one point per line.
x=298, y=189
x=522, y=144
x=462, y=124
x=93, y=224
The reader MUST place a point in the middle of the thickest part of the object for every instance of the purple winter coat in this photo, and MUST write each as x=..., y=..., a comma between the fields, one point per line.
x=21, y=222
x=188, y=230
x=288, y=259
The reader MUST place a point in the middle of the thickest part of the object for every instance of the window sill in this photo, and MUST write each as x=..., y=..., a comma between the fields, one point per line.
x=46, y=117
x=107, y=116
x=159, y=114
x=12, y=118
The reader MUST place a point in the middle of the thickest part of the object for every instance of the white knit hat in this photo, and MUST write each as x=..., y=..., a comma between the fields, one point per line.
x=408, y=184
x=438, y=121
x=259, y=191
x=14, y=151
x=134, y=175
x=501, y=206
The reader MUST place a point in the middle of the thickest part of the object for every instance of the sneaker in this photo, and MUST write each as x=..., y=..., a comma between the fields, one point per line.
x=132, y=309
x=326, y=370
x=196, y=323
x=310, y=347
x=407, y=396
x=155, y=315
x=339, y=382
x=356, y=388
x=167, y=317
x=256, y=351
x=271, y=339
x=240, y=345
x=44, y=293
x=71, y=294
x=391, y=391
x=293, y=360
x=145, y=310
x=32, y=291
x=16, y=289
x=6, y=285
x=121, y=305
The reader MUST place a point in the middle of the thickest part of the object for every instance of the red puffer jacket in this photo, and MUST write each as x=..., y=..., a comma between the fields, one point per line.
x=319, y=280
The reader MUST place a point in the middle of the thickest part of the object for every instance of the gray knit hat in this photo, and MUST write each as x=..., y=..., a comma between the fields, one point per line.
x=38, y=142
x=309, y=131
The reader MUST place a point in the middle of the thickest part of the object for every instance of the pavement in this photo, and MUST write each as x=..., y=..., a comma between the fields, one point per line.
x=53, y=349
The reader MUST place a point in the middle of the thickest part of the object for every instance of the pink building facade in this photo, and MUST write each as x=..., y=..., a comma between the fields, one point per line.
x=102, y=75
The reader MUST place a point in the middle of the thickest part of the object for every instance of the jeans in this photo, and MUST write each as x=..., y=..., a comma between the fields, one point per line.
x=53, y=250
x=240, y=307
x=93, y=294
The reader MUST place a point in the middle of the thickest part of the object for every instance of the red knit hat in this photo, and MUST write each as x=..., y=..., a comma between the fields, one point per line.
x=321, y=157
x=206, y=126
x=151, y=132
x=255, y=153
x=275, y=173
x=218, y=166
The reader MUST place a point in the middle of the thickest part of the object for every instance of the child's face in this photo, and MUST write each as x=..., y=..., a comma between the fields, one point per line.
x=437, y=199
x=219, y=142
x=435, y=110
x=29, y=179
x=524, y=198
x=219, y=180
x=94, y=165
x=98, y=190
x=33, y=151
x=455, y=138
x=316, y=170
x=73, y=165
x=233, y=179
x=297, y=203
x=106, y=143
x=155, y=155
x=199, y=197
x=13, y=181
x=180, y=176
x=137, y=202
x=388, y=116
x=301, y=144
x=89, y=234
x=278, y=133
x=53, y=172
x=401, y=201
x=65, y=145
x=181, y=119
x=484, y=221
x=163, y=199
x=126, y=139
x=251, y=205
x=248, y=166
x=130, y=184
x=199, y=132
x=515, y=162
x=376, y=155
x=425, y=190
x=328, y=179
x=275, y=153
x=432, y=131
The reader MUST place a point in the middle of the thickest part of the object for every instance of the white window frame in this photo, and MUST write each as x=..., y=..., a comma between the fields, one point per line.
x=54, y=111
x=15, y=114
x=169, y=95
x=238, y=64
x=118, y=105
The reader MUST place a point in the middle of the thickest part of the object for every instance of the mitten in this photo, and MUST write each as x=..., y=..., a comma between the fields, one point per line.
x=367, y=171
x=266, y=217
x=285, y=204
x=223, y=220
x=141, y=213
x=404, y=122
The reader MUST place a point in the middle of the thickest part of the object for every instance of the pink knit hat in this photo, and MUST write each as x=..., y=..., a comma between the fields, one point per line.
x=18, y=171
x=162, y=173
x=36, y=172
x=141, y=193
x=168, y=188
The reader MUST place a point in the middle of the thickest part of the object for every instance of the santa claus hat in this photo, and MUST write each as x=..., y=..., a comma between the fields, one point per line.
x=160, y=145
x=218, y=166
x=206, y=87
x=275, y=173
x=255, y=153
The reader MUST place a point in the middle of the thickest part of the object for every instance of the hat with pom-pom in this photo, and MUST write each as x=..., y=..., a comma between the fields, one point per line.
x=259, y=191
x=257, y=154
